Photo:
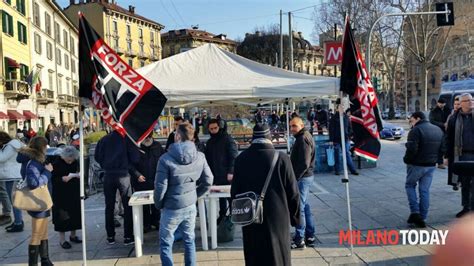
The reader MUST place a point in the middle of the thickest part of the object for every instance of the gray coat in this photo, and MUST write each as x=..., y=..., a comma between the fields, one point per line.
x=178, y=172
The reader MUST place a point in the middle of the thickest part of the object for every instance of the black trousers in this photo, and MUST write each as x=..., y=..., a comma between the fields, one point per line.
x=467, y=192
x=223, y=206
x=112, y=183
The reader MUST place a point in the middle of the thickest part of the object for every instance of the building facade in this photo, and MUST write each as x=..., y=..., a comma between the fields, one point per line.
x=177, y=41
x=54, y=54
x=16, y=106
x=135, y=38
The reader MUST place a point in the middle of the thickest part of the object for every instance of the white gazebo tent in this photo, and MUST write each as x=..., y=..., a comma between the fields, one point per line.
x=209, y=74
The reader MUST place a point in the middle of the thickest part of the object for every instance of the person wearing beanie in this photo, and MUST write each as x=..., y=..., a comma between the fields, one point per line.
x=267, y=243
x=438, y=117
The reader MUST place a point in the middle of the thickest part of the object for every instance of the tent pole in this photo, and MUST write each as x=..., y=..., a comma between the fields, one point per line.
x=287, y=128
x=346, y=173
x=81, y=170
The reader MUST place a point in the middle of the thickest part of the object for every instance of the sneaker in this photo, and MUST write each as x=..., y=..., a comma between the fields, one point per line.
x=15, y=228
x=111, y=240
x=298, y=245
x=129, y=241
x=462, y=213
x=5, y=219
x=355, y=173
x=310, y=241
x=417, y=220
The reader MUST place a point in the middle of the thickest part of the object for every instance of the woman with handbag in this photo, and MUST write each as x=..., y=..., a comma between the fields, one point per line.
x=66, y=196
x=37, y=175
x=10, y=174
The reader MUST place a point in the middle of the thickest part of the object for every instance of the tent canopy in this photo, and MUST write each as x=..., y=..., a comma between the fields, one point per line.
x=208, y=74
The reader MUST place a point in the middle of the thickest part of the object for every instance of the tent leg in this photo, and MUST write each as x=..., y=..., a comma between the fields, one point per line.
x=287, y=128
x=81, y=183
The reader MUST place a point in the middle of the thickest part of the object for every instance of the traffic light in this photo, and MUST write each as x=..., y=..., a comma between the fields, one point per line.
x=445, y=19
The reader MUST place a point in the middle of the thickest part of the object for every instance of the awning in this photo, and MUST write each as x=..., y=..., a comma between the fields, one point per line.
x=12, y=63
x=29, y=115
x=14, y=115
x=3, y=115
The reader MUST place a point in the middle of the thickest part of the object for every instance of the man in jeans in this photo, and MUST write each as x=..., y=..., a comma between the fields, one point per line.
x=424, y=143
x=302, y=160
x=176, y=192
x=116, y=155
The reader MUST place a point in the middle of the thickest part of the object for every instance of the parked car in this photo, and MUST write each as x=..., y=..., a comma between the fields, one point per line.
x=391, y=131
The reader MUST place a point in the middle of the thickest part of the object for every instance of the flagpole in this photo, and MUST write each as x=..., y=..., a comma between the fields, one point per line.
x=346, y=173
x=81, y=164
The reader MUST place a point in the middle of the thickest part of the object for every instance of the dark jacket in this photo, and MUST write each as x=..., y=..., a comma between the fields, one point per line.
x=221, y=151
x=450, y=136
x=322, y=118
x=425, y=141
x=177, y=173
x=303, y=154
x=439, y=116
x=34, y=173
x=116, y=154
x=335, y=128
x=170, y=140
x=268, y=243
x=146, y=166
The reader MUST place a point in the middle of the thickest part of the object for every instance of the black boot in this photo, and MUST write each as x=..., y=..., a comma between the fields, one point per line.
x=44, y=254
x=33, y=251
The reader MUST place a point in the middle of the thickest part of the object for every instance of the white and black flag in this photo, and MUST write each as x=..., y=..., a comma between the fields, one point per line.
x=129, y=103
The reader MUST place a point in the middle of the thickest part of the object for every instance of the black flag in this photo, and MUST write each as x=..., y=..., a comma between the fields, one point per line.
x=129, y=103
x=355, y=82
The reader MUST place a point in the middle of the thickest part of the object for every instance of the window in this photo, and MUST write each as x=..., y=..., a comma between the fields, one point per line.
x=115, y=26
x=130, y=62
x=20, y=6
x=129, y=31
x=116, y=43
x=66, y=61
x=47, y=23
x=141, y=49
x=57, y=32
x=58, y=56
x=49, y=50
x=37, y=43
x=24, y=71
x=152, y=51
x=73, y=48
x=60, y=85
x=22, y=34
x=50, y=79
x=73, y=65
x=67, y=87
x=7, y=23
x=129, y=46
x=152, y=36
x=142, y=63
x=140, y=33
x=66, y=39
x=8, y=1
x=36, y=14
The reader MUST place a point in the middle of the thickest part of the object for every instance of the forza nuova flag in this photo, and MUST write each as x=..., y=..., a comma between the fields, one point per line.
x=129, y=103
x=355, y=81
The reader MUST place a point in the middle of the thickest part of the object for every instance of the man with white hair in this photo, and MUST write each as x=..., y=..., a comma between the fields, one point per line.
x=460, y=141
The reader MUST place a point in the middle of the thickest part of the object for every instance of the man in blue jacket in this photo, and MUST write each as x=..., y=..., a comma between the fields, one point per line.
x=176, y=192
x=117, y=155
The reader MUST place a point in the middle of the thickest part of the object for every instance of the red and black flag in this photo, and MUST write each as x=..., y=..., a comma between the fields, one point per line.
x=129, y=103
x=355, y=82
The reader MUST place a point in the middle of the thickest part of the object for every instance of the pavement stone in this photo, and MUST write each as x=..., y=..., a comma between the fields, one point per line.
x=378, y=201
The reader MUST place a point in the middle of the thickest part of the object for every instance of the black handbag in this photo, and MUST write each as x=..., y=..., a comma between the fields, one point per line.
x=246, y=207
x=463, y=168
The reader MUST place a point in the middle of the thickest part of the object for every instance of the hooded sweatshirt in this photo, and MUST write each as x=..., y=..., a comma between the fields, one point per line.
x=9, y=167
x=178, y=172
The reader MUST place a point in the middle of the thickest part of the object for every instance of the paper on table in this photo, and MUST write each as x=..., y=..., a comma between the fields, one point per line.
x=74, y=175
x=225, y=189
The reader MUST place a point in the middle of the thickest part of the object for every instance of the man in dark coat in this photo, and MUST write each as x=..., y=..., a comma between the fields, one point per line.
x=142, y=176
x=221, y=151
x=267, y=243
x=302, y=159
x=424, y=143
x=177, y=121
x=438, y=117
x=322, y=118
x=460, y=146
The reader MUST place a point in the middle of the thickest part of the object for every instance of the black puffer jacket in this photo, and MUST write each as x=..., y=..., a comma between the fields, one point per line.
x=221, y=151
x=439, y=116
x=425, y=142
x=146, y=166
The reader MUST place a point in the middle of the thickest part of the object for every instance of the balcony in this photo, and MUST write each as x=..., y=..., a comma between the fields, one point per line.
x=45, y=96
x=119, y=50
x=142, y=55
x=131, y=53
x=154, y=57
x=67, y=100
x=16, y=89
